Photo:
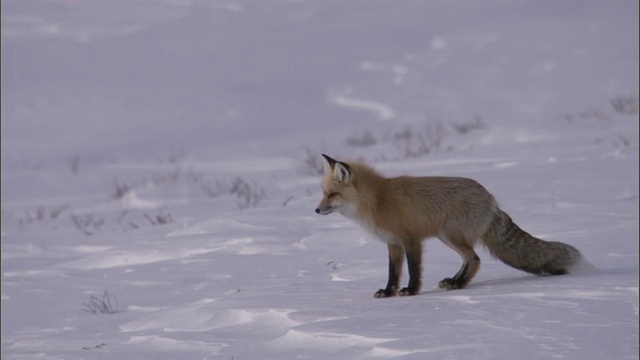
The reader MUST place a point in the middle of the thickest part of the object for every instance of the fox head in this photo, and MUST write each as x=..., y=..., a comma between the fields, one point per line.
x=338, y=190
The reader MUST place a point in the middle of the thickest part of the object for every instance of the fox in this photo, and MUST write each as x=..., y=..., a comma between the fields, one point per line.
x=404, y=211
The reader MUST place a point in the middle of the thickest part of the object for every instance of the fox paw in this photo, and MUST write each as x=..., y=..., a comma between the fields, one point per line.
x=407, y=292
x=382, y=293
x=451, y=284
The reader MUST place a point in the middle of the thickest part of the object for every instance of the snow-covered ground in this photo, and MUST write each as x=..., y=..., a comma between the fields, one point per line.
x=160, y=168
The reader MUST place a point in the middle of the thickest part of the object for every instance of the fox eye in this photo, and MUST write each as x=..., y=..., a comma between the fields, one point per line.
x=332, y=195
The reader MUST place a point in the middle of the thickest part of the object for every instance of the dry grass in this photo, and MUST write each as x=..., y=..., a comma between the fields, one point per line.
x=107, y=304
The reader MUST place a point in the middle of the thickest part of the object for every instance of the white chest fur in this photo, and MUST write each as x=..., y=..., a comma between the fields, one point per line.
x=382, y=235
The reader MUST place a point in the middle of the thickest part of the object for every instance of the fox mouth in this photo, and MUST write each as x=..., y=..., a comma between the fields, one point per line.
x=323, y=211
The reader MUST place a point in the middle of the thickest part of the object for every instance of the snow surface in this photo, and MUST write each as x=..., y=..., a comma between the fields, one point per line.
x=160, y=163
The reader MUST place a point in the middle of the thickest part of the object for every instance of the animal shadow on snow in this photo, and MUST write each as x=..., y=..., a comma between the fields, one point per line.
x=527, y=278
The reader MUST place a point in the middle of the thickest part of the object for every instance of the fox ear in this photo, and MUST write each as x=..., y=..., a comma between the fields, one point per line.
x=342, y=172
x=329, y=164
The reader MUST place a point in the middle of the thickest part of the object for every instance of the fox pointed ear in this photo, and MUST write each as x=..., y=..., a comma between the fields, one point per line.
x=329, y=164
x=342, y=172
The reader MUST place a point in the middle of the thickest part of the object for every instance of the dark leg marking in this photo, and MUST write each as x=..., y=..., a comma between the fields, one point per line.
x=395, y=269
x=463, y=276
x=414, y=262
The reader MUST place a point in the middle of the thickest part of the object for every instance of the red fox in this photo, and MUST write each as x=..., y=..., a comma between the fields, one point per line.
x=403, y=211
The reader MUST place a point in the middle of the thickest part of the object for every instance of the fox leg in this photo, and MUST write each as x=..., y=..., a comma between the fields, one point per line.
x=469, y=268
x=413, y=251
x=396, y=259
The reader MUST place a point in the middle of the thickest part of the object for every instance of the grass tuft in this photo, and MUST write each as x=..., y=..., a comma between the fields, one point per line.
x=107, y=304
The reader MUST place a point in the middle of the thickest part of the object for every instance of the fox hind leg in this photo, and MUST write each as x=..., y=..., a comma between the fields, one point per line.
x=396, y=260
x=469, y=268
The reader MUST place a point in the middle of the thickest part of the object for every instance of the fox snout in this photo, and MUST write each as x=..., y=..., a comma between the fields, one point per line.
x=324, y=207
x=324, y=210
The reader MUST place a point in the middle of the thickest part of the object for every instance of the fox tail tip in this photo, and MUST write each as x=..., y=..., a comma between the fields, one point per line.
x=583, y=266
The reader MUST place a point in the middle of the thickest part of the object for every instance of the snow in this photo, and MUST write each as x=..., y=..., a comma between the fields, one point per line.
x=161, y=159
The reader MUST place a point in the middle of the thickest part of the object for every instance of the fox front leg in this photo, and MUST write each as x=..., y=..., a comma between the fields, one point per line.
x=413, y=250
x=396, y=260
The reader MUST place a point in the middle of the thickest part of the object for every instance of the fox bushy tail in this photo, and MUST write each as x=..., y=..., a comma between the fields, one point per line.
x=517, y=248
